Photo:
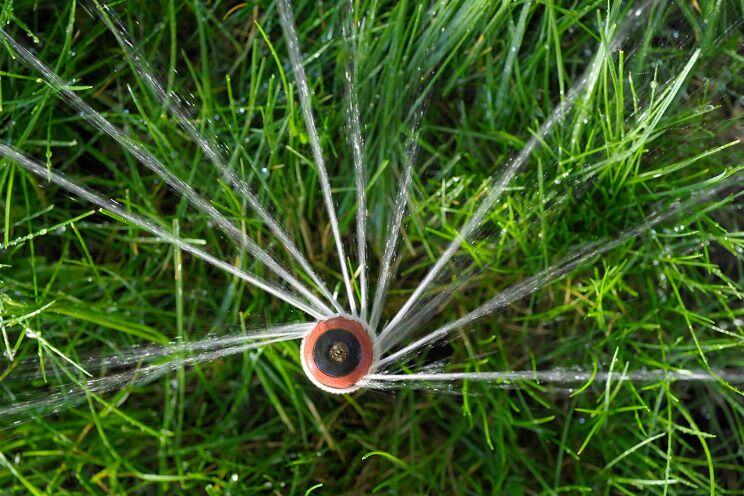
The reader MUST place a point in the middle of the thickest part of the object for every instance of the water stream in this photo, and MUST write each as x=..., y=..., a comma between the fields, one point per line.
x=293, y=46
x=149, y=226
x=152, y=163
x=143, y=364
x=175, y=104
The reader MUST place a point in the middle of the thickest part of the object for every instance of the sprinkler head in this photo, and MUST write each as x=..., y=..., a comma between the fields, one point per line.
x=337, y=353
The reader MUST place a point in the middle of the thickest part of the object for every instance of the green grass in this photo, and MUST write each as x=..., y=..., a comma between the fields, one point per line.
x=252, y=423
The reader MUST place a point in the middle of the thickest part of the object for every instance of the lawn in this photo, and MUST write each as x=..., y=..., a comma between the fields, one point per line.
x=593, y=147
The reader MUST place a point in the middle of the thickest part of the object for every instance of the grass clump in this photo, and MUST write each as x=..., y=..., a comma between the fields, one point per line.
x=659, y=120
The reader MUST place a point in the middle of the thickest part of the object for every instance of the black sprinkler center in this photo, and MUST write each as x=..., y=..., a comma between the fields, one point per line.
x=337, y=352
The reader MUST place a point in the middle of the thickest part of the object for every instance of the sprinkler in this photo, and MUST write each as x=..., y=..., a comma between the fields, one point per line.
x=337, y=353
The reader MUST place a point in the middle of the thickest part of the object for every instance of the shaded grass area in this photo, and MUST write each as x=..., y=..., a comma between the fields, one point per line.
x=653, y=128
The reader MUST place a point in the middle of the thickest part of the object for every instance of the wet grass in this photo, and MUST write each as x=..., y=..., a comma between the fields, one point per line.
x=634, y=143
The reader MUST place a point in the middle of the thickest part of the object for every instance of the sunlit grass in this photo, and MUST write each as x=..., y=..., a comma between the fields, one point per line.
x=84, y=282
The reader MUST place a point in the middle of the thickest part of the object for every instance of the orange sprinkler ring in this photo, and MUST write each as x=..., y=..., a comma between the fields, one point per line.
x=336, y=354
